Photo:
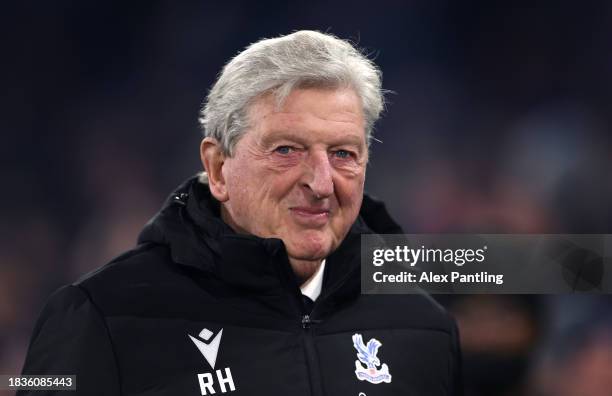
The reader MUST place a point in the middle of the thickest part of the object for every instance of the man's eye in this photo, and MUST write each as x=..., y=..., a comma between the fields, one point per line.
x=342, y=154
x=284, y=150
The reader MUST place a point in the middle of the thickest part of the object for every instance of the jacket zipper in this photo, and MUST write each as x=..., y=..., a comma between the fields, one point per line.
x=312, y=362
x=308, y=323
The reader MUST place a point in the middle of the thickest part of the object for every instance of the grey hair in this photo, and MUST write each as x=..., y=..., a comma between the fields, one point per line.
x=302, y=59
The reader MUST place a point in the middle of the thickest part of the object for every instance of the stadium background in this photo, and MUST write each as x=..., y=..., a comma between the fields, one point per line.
x=499, y=121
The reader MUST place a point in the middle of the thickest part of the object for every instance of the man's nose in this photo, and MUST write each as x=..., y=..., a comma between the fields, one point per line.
x=318, y=175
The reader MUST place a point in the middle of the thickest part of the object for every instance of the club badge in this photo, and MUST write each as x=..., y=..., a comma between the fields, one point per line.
x=367, y=355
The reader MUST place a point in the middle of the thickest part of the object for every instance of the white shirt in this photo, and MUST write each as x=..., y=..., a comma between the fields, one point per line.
x=312, y=287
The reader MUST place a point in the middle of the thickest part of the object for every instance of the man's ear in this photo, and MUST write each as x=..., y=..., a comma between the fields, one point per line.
x=213, y=160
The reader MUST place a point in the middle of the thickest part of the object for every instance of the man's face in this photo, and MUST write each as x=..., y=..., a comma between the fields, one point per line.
x=298, y=173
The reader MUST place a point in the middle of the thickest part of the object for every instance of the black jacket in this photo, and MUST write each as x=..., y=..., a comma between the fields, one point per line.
x=136, y=325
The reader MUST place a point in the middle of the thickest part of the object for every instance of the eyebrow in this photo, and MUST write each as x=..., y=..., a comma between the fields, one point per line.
x=276, y=135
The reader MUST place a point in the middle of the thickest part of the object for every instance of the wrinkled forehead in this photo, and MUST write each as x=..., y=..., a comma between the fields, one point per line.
x=337, y=110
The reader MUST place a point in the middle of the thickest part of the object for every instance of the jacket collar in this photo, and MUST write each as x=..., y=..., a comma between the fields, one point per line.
x=190, y=224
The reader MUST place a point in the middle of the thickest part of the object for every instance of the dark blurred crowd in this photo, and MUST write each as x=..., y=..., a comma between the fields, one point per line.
x=499, y=121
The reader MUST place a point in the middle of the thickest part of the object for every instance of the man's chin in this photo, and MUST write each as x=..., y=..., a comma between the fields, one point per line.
x=309, y=244
x=310, y=251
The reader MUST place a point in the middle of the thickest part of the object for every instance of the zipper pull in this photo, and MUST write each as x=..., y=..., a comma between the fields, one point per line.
x=306, y=321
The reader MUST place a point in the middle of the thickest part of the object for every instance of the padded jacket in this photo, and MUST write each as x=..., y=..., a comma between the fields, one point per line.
x=196, y=309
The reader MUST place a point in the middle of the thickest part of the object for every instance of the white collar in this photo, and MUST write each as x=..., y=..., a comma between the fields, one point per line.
x=312, y=287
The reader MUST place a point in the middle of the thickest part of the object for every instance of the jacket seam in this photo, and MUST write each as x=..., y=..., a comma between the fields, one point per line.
x=108, y=335
x=291, y=331
x=448, y=333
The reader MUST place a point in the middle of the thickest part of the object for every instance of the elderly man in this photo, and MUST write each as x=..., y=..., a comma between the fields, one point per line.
x=248, y=281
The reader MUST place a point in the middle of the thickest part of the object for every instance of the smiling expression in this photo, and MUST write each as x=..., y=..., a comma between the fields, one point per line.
x=298, y=173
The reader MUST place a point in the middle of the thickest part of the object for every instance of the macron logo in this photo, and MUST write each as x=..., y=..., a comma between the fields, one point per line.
x=208, y=349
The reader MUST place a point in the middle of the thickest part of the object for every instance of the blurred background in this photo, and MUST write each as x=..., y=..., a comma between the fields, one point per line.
x=500, y=121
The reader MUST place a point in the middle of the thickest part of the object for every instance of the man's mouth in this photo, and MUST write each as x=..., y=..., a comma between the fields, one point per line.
x=310, y=216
